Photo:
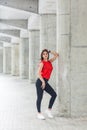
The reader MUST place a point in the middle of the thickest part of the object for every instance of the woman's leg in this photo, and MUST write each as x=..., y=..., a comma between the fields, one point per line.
x=39, y=94
x=53, y=94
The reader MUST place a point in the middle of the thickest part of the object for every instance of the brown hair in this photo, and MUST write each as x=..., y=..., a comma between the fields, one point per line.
x=45, y=50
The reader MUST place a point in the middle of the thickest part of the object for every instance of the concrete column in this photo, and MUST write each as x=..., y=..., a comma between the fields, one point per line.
x=48, y=31
x=24, y=58
x=15, y=59
x=63, y=47
x=34, y=40
x=7, y=59
x=34, y=46
x=78, y=58
x=47, y=11
x=1, y=59
x=48, y=38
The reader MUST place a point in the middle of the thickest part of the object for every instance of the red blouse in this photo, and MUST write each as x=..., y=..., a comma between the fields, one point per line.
x=47, y=69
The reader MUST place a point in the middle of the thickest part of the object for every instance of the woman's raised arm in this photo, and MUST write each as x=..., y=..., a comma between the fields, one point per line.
x=55, y=55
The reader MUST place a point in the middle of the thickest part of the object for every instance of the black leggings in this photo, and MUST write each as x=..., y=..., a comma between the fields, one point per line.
x=40, y=91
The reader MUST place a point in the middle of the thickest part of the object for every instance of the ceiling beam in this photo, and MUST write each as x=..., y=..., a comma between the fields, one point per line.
x=27, y=5
x=5, y=39
x=16, y=23
x=15, y=33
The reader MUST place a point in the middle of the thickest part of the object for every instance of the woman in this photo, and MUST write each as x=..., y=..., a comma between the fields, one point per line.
x=44, y=71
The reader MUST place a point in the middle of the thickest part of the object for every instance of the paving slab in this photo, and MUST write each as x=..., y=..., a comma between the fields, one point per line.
x=18, y=108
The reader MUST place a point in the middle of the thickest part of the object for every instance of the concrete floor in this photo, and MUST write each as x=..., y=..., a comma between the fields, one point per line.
x=18, y=111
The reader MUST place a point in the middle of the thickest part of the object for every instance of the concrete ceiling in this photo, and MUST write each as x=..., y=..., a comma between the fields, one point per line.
x=10, y=27
x=27, y=5
x=12, y=13
x=16, y=16
x=18, y=23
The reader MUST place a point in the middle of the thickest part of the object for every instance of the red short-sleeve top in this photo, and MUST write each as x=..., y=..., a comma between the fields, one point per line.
x=47, y=69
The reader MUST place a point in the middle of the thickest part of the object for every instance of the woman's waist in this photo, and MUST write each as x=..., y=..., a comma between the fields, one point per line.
x=43, y=78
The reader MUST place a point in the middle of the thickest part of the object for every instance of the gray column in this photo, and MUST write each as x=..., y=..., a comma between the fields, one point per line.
x=78, y=58
x=1, y=59
x=15, y=59
x=34, y=40
x=24, y=58
x=7, y=60
x=63, y=66
x=48, y=38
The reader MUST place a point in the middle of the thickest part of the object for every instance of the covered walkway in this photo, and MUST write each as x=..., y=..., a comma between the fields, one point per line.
x=18, y=112
x=29, y=26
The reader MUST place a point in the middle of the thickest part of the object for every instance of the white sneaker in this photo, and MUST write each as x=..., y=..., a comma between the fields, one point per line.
x=40, y=116
x=49, y=114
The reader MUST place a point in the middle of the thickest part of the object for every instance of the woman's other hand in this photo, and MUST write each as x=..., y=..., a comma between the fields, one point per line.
x=43, y=85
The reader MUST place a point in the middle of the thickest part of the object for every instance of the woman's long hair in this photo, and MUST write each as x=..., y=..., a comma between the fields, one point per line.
x=45, y=50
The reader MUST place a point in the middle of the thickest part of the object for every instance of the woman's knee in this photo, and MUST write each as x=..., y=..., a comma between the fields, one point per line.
x=54, y=95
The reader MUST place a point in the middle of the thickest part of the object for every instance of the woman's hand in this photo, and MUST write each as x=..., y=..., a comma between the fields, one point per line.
x=43, y=85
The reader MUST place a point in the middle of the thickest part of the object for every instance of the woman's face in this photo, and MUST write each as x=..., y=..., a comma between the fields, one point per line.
x=45, y=55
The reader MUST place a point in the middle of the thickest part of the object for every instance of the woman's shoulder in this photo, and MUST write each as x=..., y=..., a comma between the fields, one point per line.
x=41, y=62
